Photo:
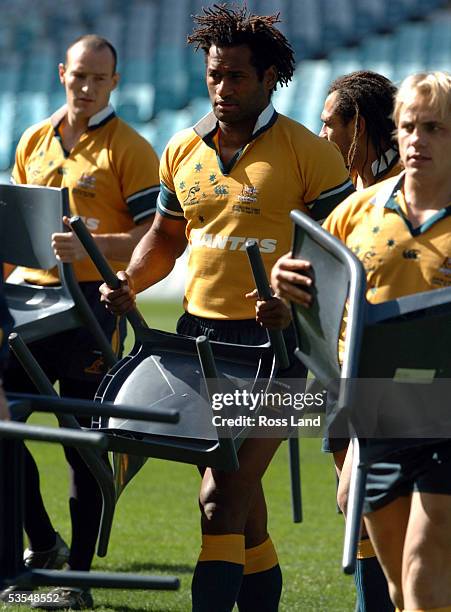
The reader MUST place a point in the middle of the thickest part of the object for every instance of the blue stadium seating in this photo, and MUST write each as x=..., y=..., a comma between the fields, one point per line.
x=162, y=80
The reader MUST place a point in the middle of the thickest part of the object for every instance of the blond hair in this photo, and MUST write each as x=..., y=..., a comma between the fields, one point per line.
x=436, y=86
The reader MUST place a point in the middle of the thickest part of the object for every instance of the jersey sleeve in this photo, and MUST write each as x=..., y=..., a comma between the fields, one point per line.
x=327, y=179
x=19, y=174
x=342, y=219
x=138, y=173
x=168, y=204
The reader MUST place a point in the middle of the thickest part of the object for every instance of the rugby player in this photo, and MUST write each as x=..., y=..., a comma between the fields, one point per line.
x=235, y=175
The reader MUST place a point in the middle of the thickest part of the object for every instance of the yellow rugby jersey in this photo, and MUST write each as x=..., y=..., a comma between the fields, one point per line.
x=398, y=259
x=111, y=173
x=284, y=166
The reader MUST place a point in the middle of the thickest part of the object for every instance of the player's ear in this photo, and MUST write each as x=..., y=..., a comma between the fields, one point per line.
x=362, y=125
x=61, y=72
x=270, y=77
x=116, y=79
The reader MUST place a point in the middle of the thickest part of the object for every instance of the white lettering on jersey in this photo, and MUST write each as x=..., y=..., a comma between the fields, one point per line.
x=230, y=243
x=235, y=241
x=219, y=242
x=268, y=245
x=91, y=223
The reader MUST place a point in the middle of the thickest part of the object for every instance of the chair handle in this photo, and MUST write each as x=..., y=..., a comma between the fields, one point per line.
x=83, y=234
x=81, y=407
x=61, y=435
x=265, y=293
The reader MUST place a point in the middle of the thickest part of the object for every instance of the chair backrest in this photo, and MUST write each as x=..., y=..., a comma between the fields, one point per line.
x=404, y=367
x=393, y=346
x=417, y=329
x=29, y=215
x=339, y=284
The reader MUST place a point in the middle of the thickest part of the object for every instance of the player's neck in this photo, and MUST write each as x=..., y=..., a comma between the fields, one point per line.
x=236, y=134
x=365, y=177
x=423, y=194
x=363, y=163
x=233, y=137
x=71, y=128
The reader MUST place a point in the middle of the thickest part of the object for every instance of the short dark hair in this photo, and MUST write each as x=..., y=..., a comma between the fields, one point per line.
x=96, y=42
x=228, y=27
x=370, y=95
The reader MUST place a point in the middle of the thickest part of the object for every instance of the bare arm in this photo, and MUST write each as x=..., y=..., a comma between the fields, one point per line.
x=151, y=261
x=118, y=246
x=291, y=279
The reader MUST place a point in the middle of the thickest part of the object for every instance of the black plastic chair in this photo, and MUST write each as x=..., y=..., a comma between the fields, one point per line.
x=411, y=334
x=12, y=569
x=180, y=372
x=29, y=215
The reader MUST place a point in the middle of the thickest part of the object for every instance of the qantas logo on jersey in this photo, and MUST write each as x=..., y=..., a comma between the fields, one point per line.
x=249, y=193
x=87, y=181
x=230, y=243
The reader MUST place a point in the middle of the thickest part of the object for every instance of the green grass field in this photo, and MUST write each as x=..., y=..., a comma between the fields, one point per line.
x=156, y=527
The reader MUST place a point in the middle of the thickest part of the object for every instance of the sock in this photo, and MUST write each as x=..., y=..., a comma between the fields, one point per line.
x=262, y=579
x=218, y=574
x=371, y=584
x=37, y=525
x=85, y=504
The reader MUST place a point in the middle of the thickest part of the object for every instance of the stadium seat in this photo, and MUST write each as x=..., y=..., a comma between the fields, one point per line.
x=29, y=108
x=314, y=78
x=7, y=100
x=141, y=96
x=306, y=28
x=417, y=328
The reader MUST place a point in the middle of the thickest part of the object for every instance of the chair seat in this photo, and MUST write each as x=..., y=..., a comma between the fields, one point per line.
x=164, y=371
x=49, y=305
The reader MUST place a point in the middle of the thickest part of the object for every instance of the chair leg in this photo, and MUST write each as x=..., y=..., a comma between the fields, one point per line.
x=99, y=469
x=11, y=509
x=295, y=476
x=355, y=506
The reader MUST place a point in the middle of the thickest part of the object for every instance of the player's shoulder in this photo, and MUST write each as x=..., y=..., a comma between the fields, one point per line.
x=127, y=134
x=183, y=139
x=293, y=127
x=181, y=144
x=35, y=132
x=304, y=139
x=365, y=199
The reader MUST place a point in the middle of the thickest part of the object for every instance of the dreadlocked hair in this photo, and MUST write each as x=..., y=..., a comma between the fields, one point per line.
x=369, y=95
x=228, y=27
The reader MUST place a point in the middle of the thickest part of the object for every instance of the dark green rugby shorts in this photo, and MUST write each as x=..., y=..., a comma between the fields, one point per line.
x=426, y=469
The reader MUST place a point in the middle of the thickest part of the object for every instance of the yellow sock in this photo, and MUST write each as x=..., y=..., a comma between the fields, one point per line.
x=228, y=548
x=365, y=549
x=260, y=558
